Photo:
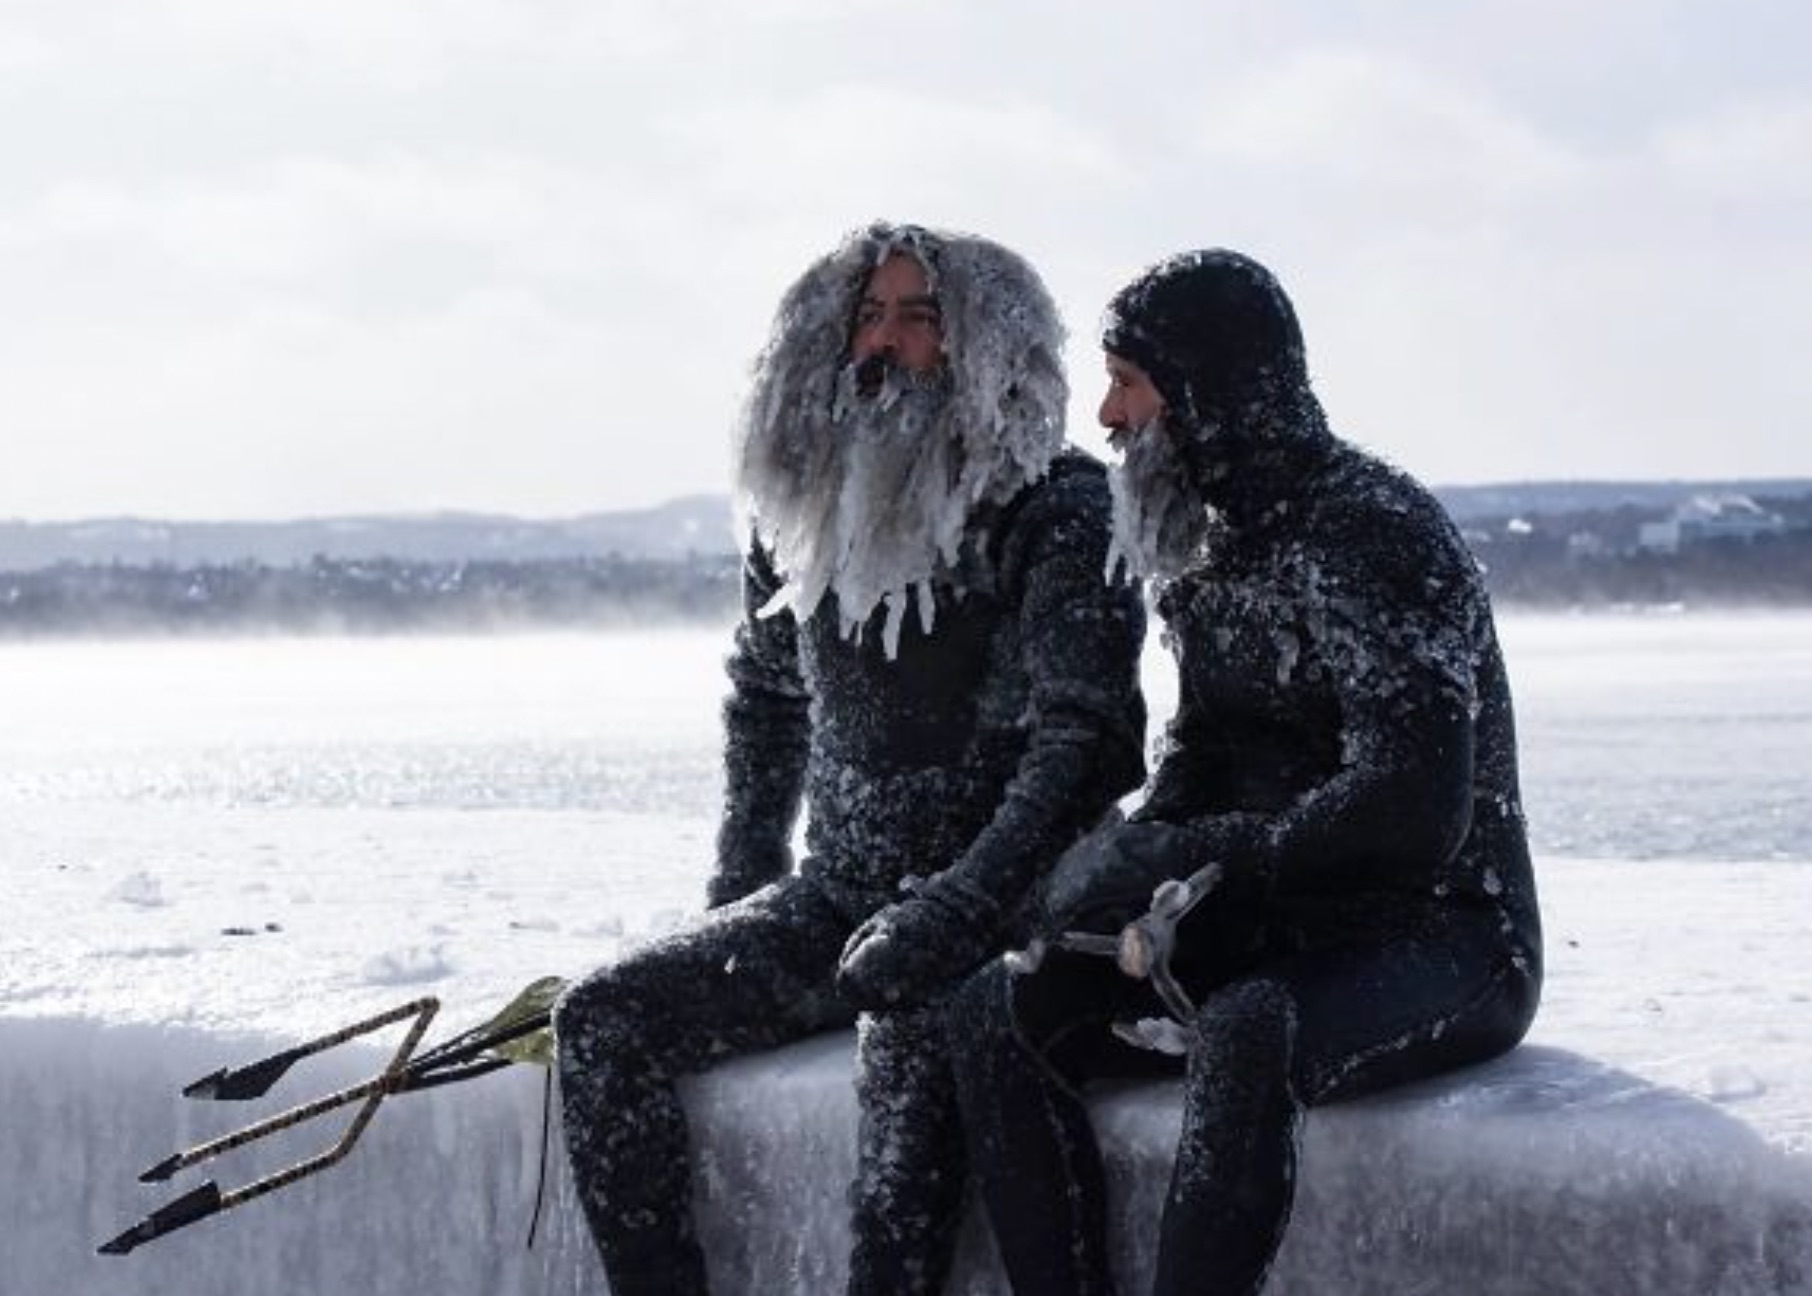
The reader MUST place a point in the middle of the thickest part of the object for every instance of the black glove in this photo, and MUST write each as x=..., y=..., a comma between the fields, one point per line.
x=1106, y=880
x=745, y=869
x=908, y=952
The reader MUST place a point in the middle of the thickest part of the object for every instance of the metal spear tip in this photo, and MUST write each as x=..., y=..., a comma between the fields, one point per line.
x=163, y=1170
x=236, y=1084
x=197, y=1203
x=126, y=1241
x=207, y=1086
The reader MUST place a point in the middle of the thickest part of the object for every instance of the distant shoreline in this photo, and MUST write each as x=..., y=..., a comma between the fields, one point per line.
x=1543, y=546
x=324, y=598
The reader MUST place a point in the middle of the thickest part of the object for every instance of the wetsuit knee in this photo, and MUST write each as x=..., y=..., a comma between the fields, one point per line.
x=570, y=1013
x=577, y=1007
x=601, y=1012
x=1247, y=1030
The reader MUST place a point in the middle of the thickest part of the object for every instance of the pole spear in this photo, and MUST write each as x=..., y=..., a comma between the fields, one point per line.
x=519, y=1033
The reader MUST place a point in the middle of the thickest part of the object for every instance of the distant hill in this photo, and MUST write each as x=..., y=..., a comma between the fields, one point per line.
x=1541, y=544
x=1521, y=499
x=694, y=526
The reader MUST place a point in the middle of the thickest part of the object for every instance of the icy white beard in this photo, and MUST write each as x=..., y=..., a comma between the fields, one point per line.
x=1160, y=518
x=879, y=505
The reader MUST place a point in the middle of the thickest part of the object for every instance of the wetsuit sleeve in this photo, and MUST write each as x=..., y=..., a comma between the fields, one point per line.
x=767, y=740
x=1080, y=639
x=1403, y=639
x=1175, y=788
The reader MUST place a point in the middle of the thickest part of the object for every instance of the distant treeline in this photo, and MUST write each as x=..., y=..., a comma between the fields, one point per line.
x=1595, y=558
x=1588, y=560
x=1544, y=572
x=366, y=596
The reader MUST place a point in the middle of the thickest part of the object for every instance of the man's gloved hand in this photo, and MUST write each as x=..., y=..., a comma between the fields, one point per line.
x=1107, y=880
x=907, y=952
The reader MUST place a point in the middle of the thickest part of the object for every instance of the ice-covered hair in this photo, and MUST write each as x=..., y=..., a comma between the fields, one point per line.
x=1000, y=424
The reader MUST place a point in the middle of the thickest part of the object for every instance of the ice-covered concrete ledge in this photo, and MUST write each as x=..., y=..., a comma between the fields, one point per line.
x=1654, y=1137
x=1543, y=1173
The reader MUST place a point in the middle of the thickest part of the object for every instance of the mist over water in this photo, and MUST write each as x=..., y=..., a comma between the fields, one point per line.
x=1665, y=736
x=1643, y=737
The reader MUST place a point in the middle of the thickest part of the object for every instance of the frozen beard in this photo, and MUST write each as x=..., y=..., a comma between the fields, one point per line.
x=1160, y=518
x=875, y=507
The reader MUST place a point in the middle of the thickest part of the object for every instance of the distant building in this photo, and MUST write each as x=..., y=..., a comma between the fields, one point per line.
x=1587, y=544
x=1711, y=517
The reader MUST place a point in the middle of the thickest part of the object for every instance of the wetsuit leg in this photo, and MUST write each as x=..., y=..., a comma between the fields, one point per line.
x=1320, y=1024
x=1019, y=1048
x=907, y=1199
x=1234, y=1175
x=1423, y=1003
x=749, y=976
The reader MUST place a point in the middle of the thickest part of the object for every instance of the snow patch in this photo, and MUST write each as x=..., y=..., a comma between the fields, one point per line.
x=143, y=890
x=412, y=965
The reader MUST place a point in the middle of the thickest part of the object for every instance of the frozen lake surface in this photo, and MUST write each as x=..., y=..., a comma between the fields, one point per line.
x=211, y=844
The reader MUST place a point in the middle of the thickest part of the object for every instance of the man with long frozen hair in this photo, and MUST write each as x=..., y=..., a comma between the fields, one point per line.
x=861, y=464
x=931, y=664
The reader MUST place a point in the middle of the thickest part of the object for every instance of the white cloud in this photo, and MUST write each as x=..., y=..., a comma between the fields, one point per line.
x=846, y=139
x=296, y=218
x=1747, y=151
x=1358, y=121
x=466, y=253
x=289, y=411
x=24, y=52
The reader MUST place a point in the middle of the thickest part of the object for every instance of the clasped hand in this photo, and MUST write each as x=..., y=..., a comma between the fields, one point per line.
x=909, y=951
x=1106, y=881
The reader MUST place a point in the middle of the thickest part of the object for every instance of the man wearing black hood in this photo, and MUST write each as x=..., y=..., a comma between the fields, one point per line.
x=930, y=660
x=1328, y=881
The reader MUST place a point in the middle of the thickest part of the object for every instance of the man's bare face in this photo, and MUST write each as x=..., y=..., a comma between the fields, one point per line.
x=898, y=323
x=1132, y=401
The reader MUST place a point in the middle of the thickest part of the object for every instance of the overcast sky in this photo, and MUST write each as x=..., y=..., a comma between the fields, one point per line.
x=266, y=260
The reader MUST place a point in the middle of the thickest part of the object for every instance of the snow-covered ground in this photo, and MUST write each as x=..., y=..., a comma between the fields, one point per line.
x=210, y=848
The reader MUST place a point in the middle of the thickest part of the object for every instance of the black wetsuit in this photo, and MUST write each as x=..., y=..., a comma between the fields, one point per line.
x=978, y=753
x=1344, y=746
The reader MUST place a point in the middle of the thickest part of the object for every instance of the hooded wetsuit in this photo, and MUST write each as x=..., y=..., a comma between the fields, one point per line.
x=1344, y=748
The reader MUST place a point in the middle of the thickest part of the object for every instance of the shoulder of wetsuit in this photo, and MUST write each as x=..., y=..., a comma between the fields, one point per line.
x=1074, y=484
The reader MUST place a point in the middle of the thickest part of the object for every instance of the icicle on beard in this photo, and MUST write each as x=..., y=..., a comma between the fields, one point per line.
x=881, y=507
x=1160, y=518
